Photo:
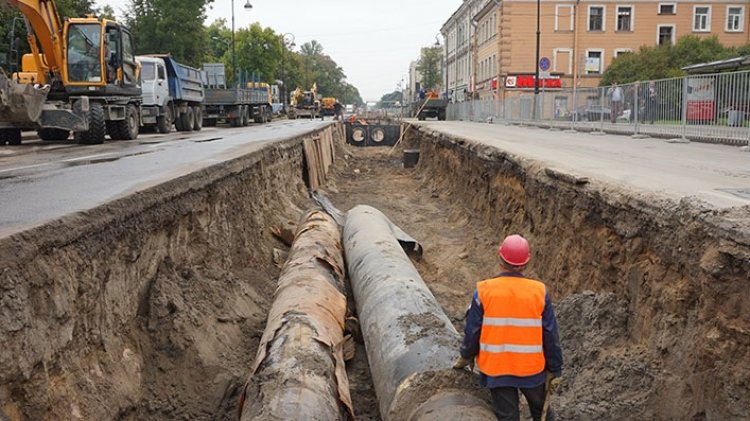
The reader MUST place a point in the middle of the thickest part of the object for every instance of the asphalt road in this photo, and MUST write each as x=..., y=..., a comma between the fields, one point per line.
x=42, y=181
x=716, y=174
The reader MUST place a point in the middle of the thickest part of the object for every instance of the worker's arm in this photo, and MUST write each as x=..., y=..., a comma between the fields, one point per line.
x=551, y=339
x=474, y=317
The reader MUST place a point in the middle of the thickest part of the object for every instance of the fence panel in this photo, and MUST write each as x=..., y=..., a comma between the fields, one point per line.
x=708, y=108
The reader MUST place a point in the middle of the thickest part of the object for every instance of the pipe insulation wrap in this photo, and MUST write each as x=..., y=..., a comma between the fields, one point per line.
x=410, y=342
x=299, y=371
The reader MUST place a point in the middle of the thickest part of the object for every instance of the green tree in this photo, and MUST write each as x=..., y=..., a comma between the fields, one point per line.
x=667, y=61
x=76, y=8
x=389, y=99
x=170, y=26
x=106, y=12
x=320, y=68
x=259, y=53
x=429, y=66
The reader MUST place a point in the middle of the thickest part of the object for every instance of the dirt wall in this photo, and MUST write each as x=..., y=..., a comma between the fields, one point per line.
x=665, y=330
x=150, y=307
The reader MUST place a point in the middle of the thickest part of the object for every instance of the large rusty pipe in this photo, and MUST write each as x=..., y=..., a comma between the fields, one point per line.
x=299, y=371
x=410, y=342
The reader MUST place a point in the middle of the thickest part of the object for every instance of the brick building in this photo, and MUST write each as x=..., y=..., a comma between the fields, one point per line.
x=490, y=45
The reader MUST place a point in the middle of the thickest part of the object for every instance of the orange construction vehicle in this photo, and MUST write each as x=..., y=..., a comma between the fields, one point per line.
x=84, y=79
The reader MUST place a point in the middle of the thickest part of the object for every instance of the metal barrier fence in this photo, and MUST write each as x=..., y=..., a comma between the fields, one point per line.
x=709, y=108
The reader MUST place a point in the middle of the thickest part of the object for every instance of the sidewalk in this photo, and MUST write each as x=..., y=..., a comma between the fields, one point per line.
x=716, y=174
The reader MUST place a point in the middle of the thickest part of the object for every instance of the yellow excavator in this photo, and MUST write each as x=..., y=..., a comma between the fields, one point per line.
x=304, y=103
x=84, y=79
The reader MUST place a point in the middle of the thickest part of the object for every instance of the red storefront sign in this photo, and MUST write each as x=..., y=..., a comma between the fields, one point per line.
x=527, y=82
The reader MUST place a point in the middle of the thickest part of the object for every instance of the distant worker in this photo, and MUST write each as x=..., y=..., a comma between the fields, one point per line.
x=422, y=93
x=653, y=101
x=338, y=111
x=512, y=331
x=616, y=96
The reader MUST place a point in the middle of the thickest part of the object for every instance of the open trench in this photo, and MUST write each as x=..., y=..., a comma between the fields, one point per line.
x=152, y=307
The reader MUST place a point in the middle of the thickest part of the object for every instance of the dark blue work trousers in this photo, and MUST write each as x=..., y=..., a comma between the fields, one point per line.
x=505, y=401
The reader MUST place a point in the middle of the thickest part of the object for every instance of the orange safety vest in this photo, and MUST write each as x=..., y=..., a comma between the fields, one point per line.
x=511, y=339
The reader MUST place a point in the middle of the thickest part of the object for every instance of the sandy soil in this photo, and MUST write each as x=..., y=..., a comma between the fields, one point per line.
x=153, y=307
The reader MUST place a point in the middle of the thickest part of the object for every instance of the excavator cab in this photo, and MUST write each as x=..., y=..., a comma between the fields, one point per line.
x=99, y=58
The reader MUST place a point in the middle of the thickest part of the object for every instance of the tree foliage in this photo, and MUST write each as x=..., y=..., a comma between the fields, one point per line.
x=429, y=66
x=170, y=26
x=319, y=68
x=389, y=99
x=258, y=52
x=667, y=60
x=177, y=27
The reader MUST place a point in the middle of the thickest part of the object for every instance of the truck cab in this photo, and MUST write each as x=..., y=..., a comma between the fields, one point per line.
x=154, y=81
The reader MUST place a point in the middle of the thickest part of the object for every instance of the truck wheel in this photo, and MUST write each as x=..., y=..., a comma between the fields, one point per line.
x=13, y=136
x=164, y=122
x=179, y=123
x=97, y=126
x=237, y=121
x=53, y=134
x=420, y=117
x=246, y=116
x=124, y=129
x=441, y=115
x=198, y=117
x=184, y=122
x=189, y=119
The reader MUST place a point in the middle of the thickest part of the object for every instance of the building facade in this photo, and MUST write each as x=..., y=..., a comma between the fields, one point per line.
x=578, y=40
x=460, y=49
x=485, y=64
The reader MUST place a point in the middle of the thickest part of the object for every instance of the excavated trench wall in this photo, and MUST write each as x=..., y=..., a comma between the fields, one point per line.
x=652, y=295
x=150, y=307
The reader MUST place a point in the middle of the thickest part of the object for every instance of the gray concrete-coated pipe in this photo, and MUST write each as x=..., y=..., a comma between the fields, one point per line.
x=410, y=342
x=299, y=371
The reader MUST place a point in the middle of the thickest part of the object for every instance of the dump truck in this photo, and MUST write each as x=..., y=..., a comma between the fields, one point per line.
x=431, y=106
x=237, y=104
x=262, y=110
x=327, y=106
x=172, y=94
x=83, y=79
x=304, y=104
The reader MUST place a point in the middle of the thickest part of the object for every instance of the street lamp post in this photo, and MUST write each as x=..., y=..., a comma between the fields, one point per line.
x=248, y=6
x=284, y=44
x=536, y=63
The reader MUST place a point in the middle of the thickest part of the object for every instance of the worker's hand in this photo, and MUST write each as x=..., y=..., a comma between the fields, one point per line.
x=553, y=382
x=462, y=363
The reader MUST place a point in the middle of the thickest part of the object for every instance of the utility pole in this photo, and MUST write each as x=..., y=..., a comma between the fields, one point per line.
x=536, y=63
x=248, y=6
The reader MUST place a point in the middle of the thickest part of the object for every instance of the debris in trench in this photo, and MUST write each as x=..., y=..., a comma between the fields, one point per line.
x=299, y=371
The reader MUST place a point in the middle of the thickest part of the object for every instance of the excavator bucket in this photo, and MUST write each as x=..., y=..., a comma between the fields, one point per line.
x=20, y=103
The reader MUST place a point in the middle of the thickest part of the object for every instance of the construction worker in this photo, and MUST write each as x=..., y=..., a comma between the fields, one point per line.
x=338, y=111
x=512, y=332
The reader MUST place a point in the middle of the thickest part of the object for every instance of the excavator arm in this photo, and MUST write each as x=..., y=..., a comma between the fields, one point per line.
x=46, y=27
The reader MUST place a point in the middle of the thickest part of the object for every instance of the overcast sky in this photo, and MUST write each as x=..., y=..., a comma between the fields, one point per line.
x=372, y=40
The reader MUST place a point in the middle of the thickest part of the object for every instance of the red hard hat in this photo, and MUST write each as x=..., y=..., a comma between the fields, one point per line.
x=515, y=250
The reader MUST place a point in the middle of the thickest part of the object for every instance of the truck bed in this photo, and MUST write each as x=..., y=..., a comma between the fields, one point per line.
x=234, y=96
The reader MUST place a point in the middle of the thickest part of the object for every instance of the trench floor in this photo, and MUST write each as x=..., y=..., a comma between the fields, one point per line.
x=457, y=254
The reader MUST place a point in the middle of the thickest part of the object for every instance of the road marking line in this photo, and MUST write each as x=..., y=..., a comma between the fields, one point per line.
x=87, y=157
x=23, y=168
